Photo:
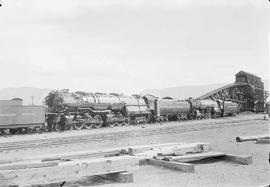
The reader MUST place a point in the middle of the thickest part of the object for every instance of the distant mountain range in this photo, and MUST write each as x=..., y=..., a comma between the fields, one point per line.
x=183, y=92
x=37, y=95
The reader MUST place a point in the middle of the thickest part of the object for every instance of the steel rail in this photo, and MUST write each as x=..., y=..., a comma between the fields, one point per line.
x=119, y=135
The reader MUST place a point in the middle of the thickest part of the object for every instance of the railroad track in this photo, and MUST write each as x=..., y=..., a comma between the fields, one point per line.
x=161, y=130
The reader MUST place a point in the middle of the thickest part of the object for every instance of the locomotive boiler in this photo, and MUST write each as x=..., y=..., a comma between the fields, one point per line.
x=83, y=110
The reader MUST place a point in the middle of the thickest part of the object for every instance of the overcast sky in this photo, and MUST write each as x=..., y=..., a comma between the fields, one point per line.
x=127, y=46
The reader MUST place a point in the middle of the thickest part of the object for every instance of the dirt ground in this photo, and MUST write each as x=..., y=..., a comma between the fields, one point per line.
x=214, y=173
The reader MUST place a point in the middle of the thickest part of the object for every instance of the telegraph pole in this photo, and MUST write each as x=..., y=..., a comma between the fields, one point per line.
x=32, y=98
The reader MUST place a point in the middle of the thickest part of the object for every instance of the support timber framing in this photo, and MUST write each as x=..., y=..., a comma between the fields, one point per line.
x=70, y=170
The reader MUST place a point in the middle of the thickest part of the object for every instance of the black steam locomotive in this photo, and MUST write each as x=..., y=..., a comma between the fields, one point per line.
x=64, y=110
x=86, y=110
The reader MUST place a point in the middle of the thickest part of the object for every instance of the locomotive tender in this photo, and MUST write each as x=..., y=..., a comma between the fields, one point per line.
x=65, y=110
x=167, y=109
x=14, y=116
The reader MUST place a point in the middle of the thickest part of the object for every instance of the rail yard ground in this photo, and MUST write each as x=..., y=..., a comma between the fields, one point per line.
x=220, y=133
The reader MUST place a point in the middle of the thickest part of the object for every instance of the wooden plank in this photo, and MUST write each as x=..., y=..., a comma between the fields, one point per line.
x=196, y=157
x=185, y=149
x=172, y=165
x=88, y=154
x=80, y=154
x=25, y=165
x=241, y=159
x=143, y=148
x=175, y=150
x=252, y=138
x=66, y=171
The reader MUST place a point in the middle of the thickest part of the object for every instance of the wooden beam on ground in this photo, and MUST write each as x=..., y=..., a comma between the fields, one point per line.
x=241, y=159
x=80, y=154
x=89, y=153
x=252, y=138
x=143, y=148
x=184, y=149
x=172, y=165
x=197, y=156
x=66, y=171
x=27, y=165
x=181, y=149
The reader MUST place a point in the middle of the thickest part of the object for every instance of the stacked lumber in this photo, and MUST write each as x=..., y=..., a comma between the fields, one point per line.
x=48, y=170
x=114, y=164
x=98, y=153
x=182, y=157
x=258, y=138
x=65, y=171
